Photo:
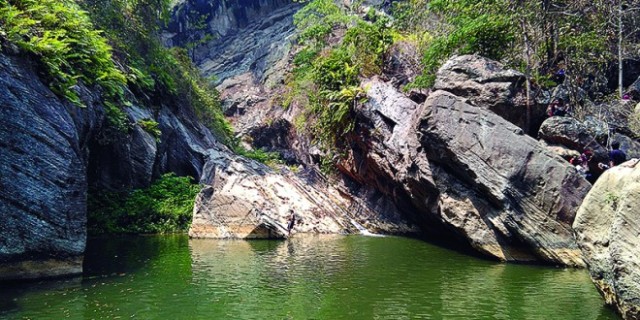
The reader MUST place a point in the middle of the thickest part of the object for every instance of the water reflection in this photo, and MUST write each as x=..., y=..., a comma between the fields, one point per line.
x=306, y=277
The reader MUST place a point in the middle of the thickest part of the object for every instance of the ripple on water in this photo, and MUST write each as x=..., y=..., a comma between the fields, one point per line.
x=306, y=277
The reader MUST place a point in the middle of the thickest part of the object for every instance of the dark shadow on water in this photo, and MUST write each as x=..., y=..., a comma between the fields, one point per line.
x=11, y=292
x=265, y=245
x=117, y=254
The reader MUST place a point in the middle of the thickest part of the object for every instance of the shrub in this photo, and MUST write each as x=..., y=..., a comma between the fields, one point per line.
x=485, y=28
x=166, y=206
x=260, y=155
x=150, y=126
x=158, y=74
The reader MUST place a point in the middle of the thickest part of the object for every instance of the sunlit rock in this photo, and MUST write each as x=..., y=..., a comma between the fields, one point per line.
x=607, y=229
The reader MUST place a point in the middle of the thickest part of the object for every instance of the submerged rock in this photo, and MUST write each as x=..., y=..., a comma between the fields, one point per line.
x=606, y=228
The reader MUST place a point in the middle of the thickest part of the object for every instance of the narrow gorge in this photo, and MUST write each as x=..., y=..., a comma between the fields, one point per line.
x=332, y=113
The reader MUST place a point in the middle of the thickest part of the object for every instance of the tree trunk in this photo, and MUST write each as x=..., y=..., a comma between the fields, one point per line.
x=620, y=48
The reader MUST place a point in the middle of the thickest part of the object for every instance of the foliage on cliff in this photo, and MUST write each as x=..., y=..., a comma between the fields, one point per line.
x=65, y=36
x=326, y=77
x=166, y=206
x=62, y=36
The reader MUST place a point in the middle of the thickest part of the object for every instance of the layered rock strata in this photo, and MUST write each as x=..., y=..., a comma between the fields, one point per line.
x=498, y=186
x=228, y=38
x=244, y=199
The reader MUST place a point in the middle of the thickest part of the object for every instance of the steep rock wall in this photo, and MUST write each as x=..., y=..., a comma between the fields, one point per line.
x=51, y=152
x=230, y=37
x=42, y=180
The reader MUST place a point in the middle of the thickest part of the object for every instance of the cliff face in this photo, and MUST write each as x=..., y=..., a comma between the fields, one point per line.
x=231, y=37
x=43, y=184
x=51, y=152
x=453, y=165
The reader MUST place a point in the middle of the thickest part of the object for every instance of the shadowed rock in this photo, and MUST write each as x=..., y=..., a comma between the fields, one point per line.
x=42, y=177
x=51, y=151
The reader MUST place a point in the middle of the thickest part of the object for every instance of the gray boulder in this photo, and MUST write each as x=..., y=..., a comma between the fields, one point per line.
x=630, y=147
x=487, y=83
x=513, y=189
x=456, y=169
x=606, y=228
x=571, y=133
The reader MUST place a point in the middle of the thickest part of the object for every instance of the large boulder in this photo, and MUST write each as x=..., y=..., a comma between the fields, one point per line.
x=500, y=188
x=246, y=199
x=461, y=170
x=488, y=84
x=571, y=133
x=606, y=228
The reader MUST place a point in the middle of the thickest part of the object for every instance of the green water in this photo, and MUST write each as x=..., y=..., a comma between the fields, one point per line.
x=313, y=277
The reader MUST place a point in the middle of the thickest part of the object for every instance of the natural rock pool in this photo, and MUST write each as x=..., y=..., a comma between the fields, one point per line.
x=306, y=277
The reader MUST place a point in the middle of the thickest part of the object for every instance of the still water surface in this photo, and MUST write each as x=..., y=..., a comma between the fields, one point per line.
x=306, y=277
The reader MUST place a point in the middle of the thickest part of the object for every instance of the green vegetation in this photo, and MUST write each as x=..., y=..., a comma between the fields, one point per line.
x=62, y=36
x=155, y=72
x=268, y=158
x=151, y=126
x=326, y=76
x=612, y=199
x=473, y=26
x=166, y=206
x=538, y=38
